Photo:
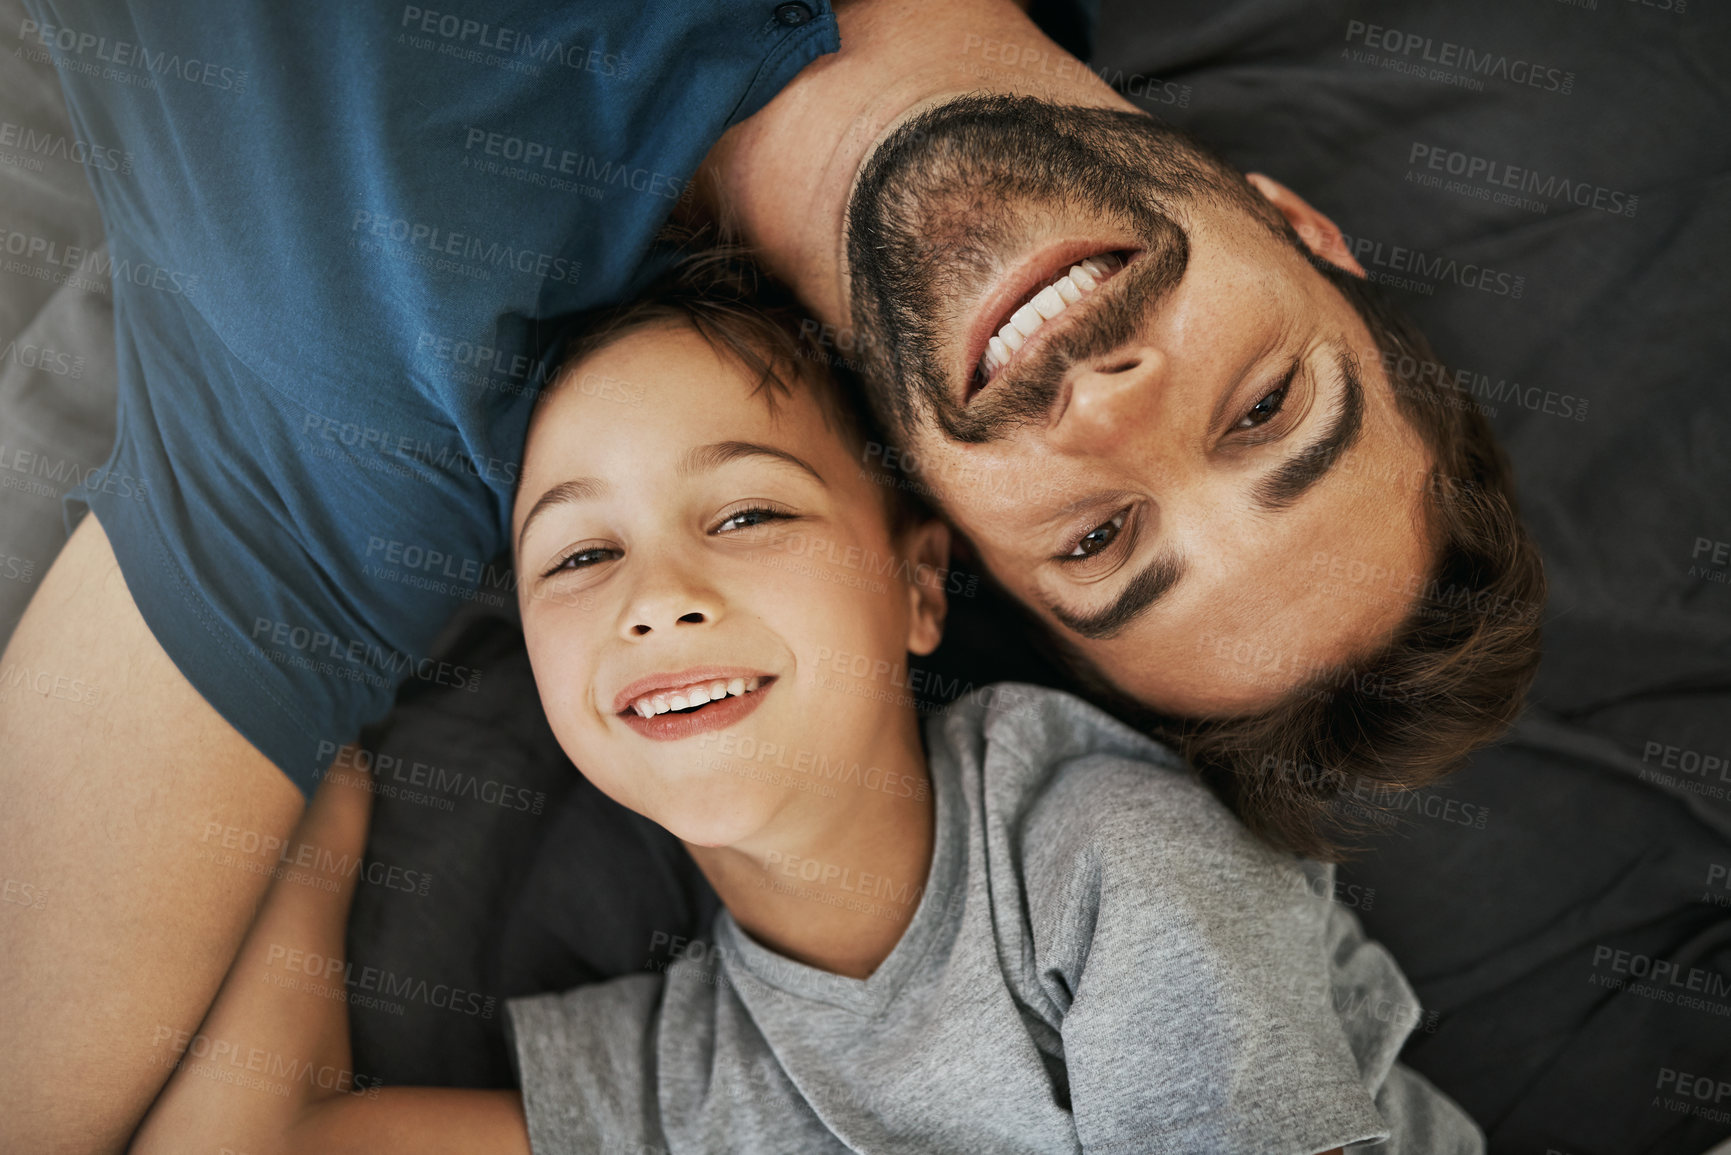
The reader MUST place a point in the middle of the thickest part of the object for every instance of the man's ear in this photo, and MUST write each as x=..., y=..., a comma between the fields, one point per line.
x=1319, y=234
x=927, y=549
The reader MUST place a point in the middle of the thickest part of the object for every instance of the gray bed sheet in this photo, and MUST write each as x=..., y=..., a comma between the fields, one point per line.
x=57, y=376
x=1603, y=828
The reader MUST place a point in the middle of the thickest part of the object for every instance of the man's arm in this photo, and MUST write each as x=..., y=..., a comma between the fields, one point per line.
x=144, y=827
x=270, y=1069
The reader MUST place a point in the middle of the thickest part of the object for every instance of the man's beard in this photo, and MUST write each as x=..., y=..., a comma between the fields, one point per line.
x=953, y=188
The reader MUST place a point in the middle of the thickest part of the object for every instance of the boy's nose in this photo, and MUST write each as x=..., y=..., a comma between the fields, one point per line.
x=677, y=598
x=647, y=621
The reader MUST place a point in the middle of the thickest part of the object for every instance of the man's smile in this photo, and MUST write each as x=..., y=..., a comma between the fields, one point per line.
x=1016, y=314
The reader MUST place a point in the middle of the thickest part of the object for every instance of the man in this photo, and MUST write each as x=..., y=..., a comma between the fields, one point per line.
x=262, y=603
x=1157, y=459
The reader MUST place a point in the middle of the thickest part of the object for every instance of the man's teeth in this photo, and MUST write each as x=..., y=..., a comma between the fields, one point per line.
x=1081, y=280
x=695, y=695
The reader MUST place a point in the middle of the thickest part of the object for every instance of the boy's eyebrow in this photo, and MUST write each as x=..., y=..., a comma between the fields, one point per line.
x=713, y=456
x=702, y=459
x=577, y=489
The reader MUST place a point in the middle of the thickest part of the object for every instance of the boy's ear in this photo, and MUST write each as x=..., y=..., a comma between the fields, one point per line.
x=927, y=548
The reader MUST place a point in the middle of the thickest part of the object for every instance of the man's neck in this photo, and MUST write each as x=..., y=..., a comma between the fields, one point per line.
x=834, y=881
x=782, y=179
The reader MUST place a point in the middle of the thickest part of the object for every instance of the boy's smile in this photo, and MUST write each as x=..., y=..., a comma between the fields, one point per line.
x=694, y=701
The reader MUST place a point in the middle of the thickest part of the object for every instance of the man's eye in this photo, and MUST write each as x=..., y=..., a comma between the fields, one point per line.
x=747, y=518
x=584, y=558
x=1098, y=538
x=1264, y=410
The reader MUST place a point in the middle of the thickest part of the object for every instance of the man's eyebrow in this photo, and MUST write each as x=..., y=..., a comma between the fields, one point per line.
x=1287, y=483
x=577, y=489
x=713, y=456
x=1142, y=591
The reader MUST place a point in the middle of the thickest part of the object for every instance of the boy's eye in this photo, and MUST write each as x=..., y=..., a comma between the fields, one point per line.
x=583, y=558
x=753, y=516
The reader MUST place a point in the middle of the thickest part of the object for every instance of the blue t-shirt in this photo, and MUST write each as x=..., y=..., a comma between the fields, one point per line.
x=334, y=247
x=336, y=241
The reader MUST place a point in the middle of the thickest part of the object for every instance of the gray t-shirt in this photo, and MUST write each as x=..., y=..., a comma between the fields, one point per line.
x=1103, y=959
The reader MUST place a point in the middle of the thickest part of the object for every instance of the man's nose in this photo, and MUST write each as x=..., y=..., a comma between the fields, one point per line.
x=1111, y=399
x=673, y=599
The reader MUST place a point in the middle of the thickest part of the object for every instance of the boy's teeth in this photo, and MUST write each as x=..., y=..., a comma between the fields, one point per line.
x=1050, y=301
x=652, y=704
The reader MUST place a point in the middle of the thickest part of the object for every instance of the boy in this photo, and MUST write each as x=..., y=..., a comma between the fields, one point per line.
x=1032, y=931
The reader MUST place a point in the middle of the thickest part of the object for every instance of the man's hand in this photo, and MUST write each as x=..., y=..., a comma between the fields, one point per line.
x=143, y=829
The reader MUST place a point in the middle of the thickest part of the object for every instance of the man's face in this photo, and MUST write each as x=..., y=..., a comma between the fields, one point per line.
x=1180, y=445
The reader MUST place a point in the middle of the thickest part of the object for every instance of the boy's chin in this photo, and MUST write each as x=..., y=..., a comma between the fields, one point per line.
x=712, y=829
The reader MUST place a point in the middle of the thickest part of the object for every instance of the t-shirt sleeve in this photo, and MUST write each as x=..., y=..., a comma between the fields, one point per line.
x=1210, y=994
x=586, y=1064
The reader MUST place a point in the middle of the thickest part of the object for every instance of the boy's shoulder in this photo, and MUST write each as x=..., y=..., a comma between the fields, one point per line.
x=1053, y=771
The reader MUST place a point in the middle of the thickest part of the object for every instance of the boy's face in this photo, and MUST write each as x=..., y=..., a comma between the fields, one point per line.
x=678, y=541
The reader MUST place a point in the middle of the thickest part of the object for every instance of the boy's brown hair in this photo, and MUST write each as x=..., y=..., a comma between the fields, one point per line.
x=753, y=321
